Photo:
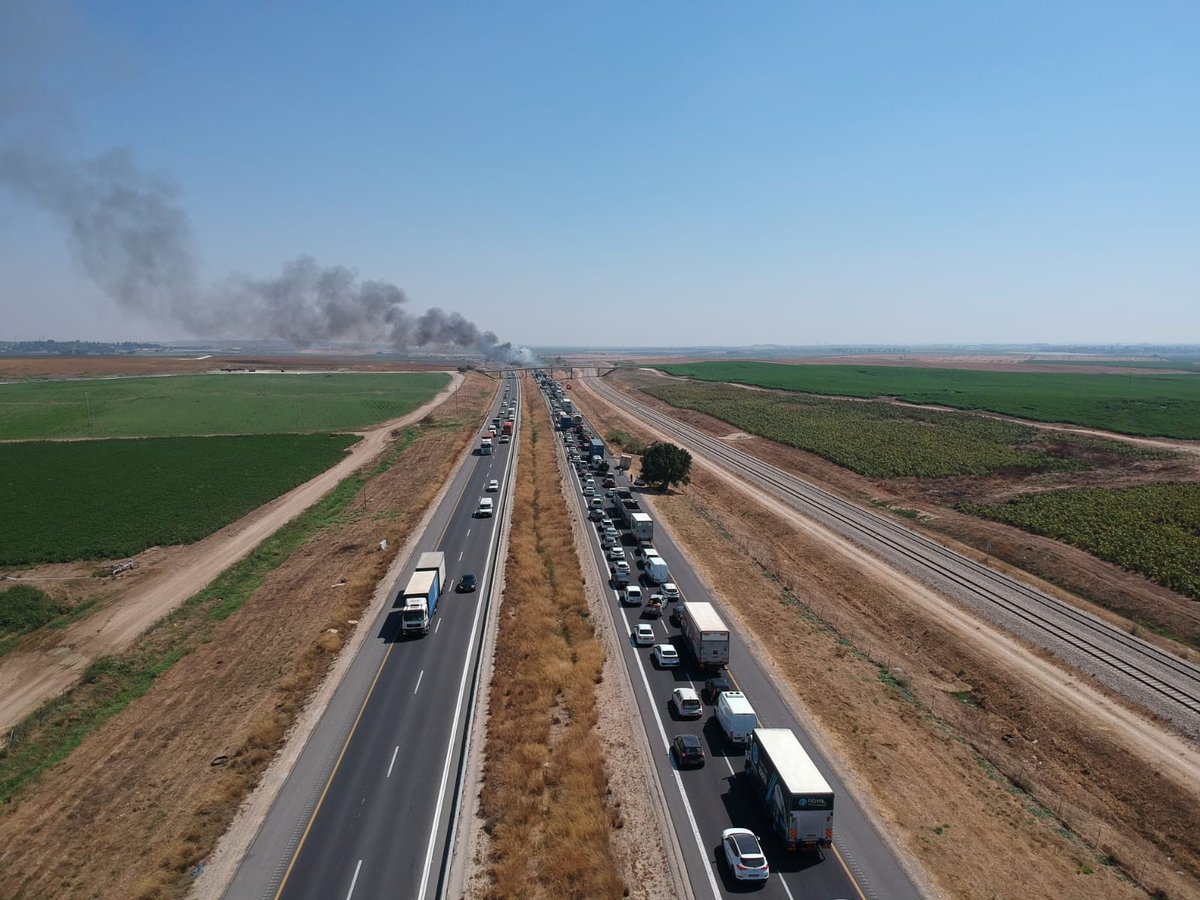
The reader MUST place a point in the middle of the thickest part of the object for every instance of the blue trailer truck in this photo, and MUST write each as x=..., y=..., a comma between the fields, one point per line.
x=419, y=600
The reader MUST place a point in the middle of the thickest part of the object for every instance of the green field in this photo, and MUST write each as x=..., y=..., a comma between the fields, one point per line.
x=1161, y=405
x=883, y=440
x=1152, y=530
x=64, y=501
x=210, y=404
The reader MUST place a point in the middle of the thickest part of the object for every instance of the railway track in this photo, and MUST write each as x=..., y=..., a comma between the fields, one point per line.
x=1136, y=669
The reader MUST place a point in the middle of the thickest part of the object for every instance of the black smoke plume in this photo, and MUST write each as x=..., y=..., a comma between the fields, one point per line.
x=132, y=237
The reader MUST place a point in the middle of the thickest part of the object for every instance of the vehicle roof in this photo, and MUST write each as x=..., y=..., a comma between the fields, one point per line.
x=692, y=740
x=670, y=648
x=420, y=583
x=737, y=703
x=687, y=693
x=798, y=773
x=645, y=626
x=705, y=615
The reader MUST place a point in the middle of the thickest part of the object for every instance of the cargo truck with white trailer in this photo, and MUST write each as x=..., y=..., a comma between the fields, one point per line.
x=795, y=795
x=705, y=634
x=419, y=600
x=641, y=526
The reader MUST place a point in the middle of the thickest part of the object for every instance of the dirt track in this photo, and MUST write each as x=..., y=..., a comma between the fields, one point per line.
x=29, y=678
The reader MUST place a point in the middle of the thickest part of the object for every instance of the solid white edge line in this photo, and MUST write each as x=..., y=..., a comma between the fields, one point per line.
x=354, y=880
x=419, y=677
x=393, y=762
x=462, y=684
x=662, y=733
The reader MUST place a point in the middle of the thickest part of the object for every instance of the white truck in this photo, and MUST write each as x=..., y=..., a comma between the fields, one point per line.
x=705, y=634
x=736, y=717
x=641, y=526
x=419, y=600
x=485, y=446
x=796, y=797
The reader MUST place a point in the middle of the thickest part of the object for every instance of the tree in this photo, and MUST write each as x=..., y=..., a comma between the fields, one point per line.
x=666, y=465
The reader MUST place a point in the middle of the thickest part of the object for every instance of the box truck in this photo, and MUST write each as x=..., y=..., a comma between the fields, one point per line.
x=736, y=717
x=705, y=634
x=419, y=600
x=796, y=797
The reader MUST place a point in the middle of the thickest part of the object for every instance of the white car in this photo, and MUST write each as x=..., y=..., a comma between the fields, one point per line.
x=643, y=635
x=744, y=855
x=588, y=490
x=612, y=533
x=621, y=568
x=504, y=439
x=686, y=702
x=633, y=596
x=493, y=485
x=615, y=552
x=666, y=656
x=670, y=591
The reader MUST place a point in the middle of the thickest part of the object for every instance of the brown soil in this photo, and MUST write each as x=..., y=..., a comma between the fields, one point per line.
x=52, y=662
x=988, y=363
x=1079, y=577
x=145, y=797
x=546, y=804
x=981, y=768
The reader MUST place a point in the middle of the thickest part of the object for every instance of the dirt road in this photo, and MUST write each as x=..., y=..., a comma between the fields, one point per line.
x=29, y=678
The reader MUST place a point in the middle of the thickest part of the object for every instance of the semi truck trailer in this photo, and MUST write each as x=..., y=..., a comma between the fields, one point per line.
x=419, y=600
x=796, y=797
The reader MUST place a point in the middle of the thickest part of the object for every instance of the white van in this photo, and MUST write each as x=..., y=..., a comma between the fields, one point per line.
x=656, y=569
x=485, y=508
x=737, y=717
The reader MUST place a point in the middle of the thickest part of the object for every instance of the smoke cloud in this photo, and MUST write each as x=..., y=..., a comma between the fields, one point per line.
x=134, y=240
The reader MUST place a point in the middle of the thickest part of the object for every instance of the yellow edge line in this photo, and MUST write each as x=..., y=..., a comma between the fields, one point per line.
x=316, y=809
x=349, y=737
x=845, y=868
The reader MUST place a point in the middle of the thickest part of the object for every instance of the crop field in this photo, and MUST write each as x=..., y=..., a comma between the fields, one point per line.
x=74, y=500
x=882, y=440
x=1153, y=530
x=1155, y=405
x=210, y=404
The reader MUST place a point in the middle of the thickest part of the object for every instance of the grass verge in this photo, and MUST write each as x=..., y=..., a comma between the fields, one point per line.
x=545, y=797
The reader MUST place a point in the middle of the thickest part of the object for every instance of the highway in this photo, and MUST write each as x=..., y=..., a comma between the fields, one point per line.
x=368, y=807
x=1143, y=673
x=703, y=802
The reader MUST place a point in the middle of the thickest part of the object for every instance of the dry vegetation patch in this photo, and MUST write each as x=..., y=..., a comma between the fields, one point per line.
x=996, y=788
x=142, y=800
x=546, y=802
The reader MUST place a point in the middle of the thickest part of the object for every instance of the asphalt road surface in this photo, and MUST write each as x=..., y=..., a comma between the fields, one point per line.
x=703, y=802
x=367, y=809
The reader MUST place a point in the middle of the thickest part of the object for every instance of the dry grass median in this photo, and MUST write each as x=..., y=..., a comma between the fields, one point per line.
x=546, y=800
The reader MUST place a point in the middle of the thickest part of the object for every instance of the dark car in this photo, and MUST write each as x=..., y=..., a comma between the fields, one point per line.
x=688, y=750
x=714, y=686
x=677, y=616
x=467, y=583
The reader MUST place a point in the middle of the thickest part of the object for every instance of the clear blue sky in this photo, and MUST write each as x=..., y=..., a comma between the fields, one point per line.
x=655, y=172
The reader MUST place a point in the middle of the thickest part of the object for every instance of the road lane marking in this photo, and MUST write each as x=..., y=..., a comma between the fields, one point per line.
x=438, y=625
x=460, y=555
x=846, y=868
x=462, y=684
x=295, y=853
x=687, y=804
x=354, y=881
x=468, y=534
x=419, y=677
x=393, y=762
